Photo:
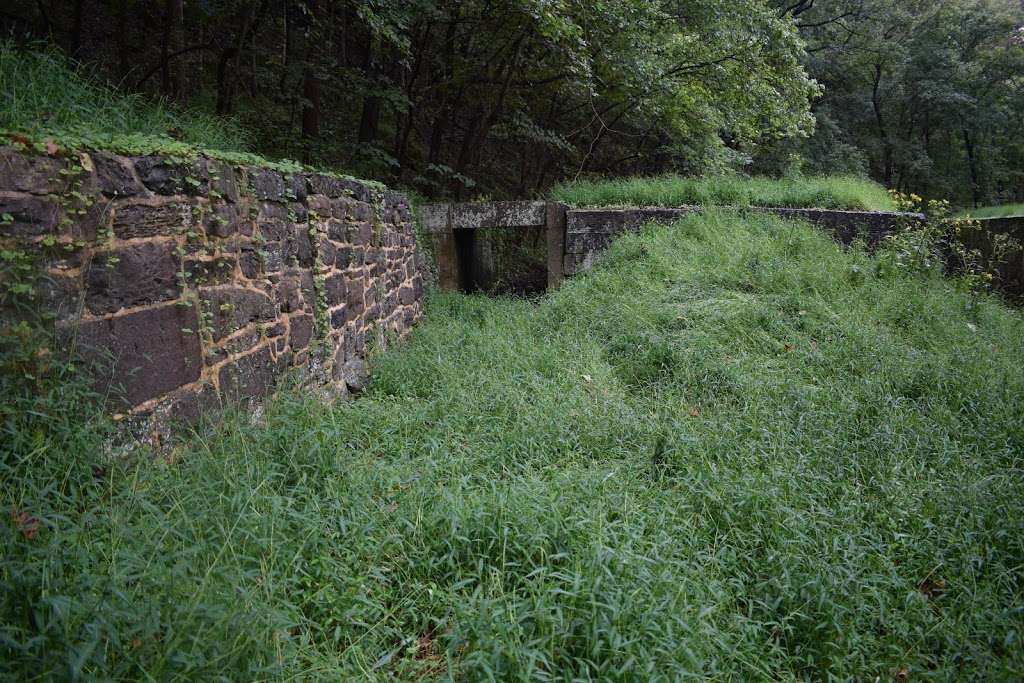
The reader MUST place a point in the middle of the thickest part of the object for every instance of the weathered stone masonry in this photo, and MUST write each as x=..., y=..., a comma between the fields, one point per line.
x=196, y=282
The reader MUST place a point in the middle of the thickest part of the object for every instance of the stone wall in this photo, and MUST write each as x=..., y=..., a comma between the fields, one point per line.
x=1009, y=265
x=191, y=283
x=588, y=232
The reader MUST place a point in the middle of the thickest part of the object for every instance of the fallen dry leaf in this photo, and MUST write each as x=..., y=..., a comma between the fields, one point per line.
x=25, y=523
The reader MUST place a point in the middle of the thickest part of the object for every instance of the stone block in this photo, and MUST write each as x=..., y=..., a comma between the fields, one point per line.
x=32, y=173
x=267, y=184
x=222, y=220
x=241, y=342
x=33, y=216
x=330, y=186
x=143, y=354
x=319, y=204
x=273, y=257
x=354, y=297
x=406, y=295
x=355, y=374
x=215, y=271
x=273, y=230
x=360, y=233
x=335, y=289
x=223, y=180
x=361, y=211
x=306, y=285
x=326, y=251
x=300, y=246
x=295, y=186
x=343, y=258
x=271, y=211
x=166, y=176
x=288, y=295
x=300, y=331
x=149, y=218
x=250, y=376
x=337, y=230
x=297, y=212
x=131, y=276
x=250, y=263
x=232, y=308
x=190, y=405
x=339, y=316
x=115, y=175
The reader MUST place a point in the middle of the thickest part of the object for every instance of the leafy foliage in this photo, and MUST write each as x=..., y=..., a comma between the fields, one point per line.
x=458, y=98
x=928, y=94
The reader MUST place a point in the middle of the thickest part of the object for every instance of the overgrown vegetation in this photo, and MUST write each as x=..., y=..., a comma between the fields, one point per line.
x=45, y=101
x=1001, y=211
x=734, y=451
x=44, y=98
x=457, y=99
x=503, y=98
x=925, y=96
x=837, y=192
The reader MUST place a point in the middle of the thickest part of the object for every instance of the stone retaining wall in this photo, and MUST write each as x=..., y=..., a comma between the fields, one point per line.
x=191, y=283
x=588, y=232
x=1009, y=266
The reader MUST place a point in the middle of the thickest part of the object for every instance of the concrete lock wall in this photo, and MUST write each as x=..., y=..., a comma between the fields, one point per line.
x=588, y=232
x=1010, y=266
x=577, y=237
x=191, y=283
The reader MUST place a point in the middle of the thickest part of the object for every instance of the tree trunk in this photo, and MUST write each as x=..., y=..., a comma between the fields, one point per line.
x=972, y=165
x=311, y=105
x=75, y=48
x=887, y=150
x=171, y=84
x=227, y=67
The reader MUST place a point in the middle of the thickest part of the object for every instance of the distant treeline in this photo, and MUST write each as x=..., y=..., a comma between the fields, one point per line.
x=468, y=98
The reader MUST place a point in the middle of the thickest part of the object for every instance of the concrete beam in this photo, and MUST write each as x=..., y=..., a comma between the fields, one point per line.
x=555, y=230
x=476, y=215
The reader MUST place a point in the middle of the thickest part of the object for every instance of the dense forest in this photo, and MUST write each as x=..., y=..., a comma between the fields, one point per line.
x=503, y=98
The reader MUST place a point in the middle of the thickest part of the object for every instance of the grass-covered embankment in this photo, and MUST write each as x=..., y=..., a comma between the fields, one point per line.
x=999, y=211
x=833, y=192
x=44, y=98
x=733, y=452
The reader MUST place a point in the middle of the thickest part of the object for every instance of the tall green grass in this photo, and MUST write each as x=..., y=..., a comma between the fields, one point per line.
x=44, y=97
x=732, y=452
x=1000, y=211
x=833, y=192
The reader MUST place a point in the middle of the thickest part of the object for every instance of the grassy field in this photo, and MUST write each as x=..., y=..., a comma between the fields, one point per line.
x=1001, y=211
x=732, y=452
x=818, y=192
